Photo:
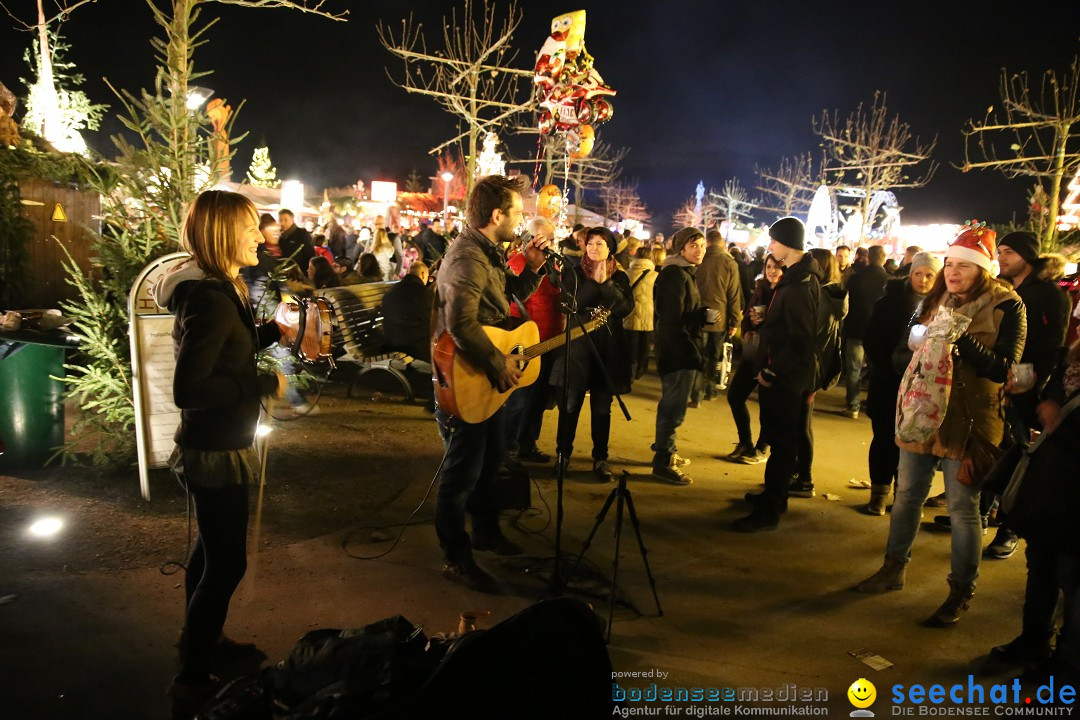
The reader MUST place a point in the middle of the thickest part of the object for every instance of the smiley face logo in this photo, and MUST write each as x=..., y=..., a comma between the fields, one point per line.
x=862, y=693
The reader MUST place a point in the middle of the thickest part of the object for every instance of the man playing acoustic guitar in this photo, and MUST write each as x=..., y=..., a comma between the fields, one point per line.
x=473, y=288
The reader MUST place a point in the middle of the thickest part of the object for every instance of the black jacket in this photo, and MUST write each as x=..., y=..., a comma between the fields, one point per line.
x=1047, y=308
x=864, y=288
x=789, y=333
x=432, y=245
x=297, y=240
x=216, y=384
x=680, y=319
x=888, y=324
x=406, y=309
x=610, y=339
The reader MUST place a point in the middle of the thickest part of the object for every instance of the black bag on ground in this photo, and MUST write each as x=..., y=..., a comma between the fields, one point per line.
x=353, y=673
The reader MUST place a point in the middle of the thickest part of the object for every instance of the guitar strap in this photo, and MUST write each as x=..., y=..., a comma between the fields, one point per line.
x=521, y=308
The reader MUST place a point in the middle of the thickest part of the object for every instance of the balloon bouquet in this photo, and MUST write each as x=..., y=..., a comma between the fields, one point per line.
x=572, y=98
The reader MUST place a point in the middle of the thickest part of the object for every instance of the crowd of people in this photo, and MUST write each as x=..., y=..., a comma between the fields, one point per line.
x=967, y=360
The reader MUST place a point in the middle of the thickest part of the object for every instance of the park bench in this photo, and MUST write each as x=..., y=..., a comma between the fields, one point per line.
x=358, y=317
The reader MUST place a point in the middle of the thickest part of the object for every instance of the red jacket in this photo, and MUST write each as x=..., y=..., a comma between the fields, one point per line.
x=542, y=305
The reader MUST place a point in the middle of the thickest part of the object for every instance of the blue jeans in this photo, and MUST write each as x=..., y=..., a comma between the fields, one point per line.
x=670, y=412
x=854, y=359
x=289, y=368
x=470, y=470
x=914, y=476
x=525, y=410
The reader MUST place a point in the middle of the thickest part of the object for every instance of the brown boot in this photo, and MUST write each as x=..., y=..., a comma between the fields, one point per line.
x=889, y=577
x=879, y=499
x=954, y=606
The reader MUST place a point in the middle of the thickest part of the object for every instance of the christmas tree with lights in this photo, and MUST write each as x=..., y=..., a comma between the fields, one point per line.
x=262, y=173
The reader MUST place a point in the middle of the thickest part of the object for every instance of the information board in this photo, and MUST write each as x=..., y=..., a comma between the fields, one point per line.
x=152, y=365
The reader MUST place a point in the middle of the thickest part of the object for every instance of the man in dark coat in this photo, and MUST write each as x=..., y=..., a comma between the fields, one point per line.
x=680, y=345
x=720, y=287
x=295, y=241
x=864, y=288
x=407, y=313
x=1047, y=309
x=789, y=372
x=431, y=242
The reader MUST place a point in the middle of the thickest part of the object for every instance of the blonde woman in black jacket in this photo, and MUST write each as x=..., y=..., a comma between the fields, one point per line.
x=218, y=389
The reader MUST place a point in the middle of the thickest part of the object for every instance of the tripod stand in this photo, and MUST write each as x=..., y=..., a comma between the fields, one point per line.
x=620, y=494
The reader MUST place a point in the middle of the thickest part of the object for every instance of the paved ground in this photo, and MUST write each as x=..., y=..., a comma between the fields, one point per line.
x=89, y=632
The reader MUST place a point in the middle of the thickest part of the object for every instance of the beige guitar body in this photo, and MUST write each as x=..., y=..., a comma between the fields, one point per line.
x=463, y=390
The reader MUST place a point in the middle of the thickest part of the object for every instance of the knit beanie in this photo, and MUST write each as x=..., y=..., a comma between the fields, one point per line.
x=974, y=244
x=789, y=231
x=925, y=259
x=682, y=237
x=1024, y=244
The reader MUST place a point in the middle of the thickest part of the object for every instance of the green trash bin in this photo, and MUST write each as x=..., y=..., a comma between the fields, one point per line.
x=31, y=403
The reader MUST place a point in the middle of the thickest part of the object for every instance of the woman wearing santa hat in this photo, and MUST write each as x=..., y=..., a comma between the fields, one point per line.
x=973, y=418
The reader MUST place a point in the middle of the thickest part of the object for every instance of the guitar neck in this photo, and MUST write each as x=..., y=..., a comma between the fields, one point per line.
x=535, y=351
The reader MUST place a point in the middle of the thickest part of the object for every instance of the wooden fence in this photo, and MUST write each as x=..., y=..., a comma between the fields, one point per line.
x=59, y=214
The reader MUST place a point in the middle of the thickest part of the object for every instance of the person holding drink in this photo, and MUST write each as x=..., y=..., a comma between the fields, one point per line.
x=744, y=380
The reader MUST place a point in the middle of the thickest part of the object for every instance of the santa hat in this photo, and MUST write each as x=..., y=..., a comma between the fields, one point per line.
x=974, y=244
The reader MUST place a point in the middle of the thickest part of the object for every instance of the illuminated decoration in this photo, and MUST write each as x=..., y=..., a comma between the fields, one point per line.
x=821, y=219
x=262, y=172
x=292, y=196
x=489, y=162
x=447, y=176
x=382, y=191
x=53, y=111
x=931, y=238
x=827, y=223
x=1070, y=206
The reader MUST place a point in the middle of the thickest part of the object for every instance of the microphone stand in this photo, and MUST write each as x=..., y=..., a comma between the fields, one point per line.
x=568, y=305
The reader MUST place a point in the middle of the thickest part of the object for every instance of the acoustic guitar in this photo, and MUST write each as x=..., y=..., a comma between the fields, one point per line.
x=464, y=391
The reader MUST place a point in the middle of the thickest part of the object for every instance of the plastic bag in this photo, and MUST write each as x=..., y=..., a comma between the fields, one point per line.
x=927, y=382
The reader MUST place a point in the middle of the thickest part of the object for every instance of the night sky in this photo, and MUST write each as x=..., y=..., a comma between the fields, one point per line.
x=707, y=90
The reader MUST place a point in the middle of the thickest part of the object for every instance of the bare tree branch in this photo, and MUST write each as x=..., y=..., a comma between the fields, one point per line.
x=470, y=76
x=868, y=151
x=790, y=188
x=66, y=7
x=1037, y=137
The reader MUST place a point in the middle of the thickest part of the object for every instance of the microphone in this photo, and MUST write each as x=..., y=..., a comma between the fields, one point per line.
x=549, y=253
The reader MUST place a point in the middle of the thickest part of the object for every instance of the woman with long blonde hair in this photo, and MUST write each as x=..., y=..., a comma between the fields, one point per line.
x=218, y=390
x=385, y=249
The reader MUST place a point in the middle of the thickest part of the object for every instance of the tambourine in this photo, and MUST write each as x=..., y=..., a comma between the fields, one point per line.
x=306, y=328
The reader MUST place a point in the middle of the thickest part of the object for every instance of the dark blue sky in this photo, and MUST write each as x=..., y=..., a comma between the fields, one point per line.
x=706, y=90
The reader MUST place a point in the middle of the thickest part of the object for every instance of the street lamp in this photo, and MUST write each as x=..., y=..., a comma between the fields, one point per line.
x=446, y=178
x=196, y=96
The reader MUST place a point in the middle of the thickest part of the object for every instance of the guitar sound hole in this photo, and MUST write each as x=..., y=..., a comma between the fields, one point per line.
x=519, y=350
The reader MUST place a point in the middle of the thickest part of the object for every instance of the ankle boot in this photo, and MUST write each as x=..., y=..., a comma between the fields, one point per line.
x=879, y=498
x=954, y=606
x=889, y=577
